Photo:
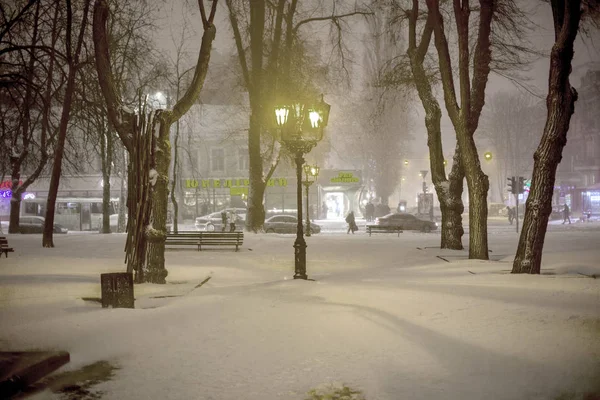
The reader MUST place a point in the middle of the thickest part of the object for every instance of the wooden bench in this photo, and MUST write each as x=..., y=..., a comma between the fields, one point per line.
x=205, y=239
x=4, y=247
x=384, y=229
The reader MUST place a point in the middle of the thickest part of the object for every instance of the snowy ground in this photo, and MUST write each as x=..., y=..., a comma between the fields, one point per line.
x=386, y=315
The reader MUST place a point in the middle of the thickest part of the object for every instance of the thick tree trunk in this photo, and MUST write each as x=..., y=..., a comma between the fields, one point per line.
x=465, y=117
x=15, y=211
x=256, y=211
x=452, y=206
x=561, y=105
x=449, y=191
x=157, y=231
x=478, y=185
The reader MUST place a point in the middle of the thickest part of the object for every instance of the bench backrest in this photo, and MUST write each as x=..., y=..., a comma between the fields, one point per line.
x=206, y=236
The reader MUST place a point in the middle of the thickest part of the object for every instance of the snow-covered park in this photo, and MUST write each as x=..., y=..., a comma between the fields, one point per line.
x=392, y=317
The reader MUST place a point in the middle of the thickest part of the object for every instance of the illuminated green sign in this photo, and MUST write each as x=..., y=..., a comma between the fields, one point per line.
x=229, y=183
x=345, y=177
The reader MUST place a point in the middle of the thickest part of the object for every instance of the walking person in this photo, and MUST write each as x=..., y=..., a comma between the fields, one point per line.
x=369, y=211
x=511, y=214
x=566, y=212
x=324, y=211
x=351, y=222
x=232, y=220
x=223, y=220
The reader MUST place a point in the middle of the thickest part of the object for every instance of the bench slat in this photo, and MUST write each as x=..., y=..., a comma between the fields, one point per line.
x=384, y=229
x=4, y=246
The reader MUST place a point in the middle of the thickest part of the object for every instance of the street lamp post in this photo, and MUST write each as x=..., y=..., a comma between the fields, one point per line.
x=311, y=172
x=300, y=129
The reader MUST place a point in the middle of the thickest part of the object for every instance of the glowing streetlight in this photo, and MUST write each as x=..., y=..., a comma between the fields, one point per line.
x=311, y=173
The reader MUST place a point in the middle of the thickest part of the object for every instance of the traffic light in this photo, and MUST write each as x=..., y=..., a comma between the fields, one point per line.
x=512, y=185
x=521, y=185
x=425, y=187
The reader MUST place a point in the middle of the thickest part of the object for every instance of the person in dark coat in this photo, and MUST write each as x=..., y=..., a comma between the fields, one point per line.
x=351, y=222
x=566, y=213
x=369, y=211
x=224, y=220
x=324, y=211
x=511, y=214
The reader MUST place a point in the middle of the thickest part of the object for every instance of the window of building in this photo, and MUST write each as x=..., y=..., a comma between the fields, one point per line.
x=217, y=160
x=243, y=163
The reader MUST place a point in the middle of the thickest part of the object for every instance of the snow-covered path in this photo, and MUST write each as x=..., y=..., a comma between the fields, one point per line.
x=384, y=315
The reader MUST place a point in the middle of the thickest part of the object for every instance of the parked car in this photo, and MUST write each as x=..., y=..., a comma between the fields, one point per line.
x=213, y=221
x=406, y=222
x=287, y=224
x=34, y=224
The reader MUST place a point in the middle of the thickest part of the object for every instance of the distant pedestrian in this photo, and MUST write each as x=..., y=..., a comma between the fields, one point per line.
x=566, y=213
x=324, y=210
x=232, y=220
x=369, y=211
x=223, y=220
x=351, y=222
x=511, y=214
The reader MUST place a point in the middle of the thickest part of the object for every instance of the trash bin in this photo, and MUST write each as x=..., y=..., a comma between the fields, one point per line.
x=117, y=290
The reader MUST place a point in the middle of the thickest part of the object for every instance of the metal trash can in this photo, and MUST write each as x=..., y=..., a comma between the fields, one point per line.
x=117, y=290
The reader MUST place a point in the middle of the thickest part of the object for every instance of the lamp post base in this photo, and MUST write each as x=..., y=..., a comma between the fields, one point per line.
x=300, y=259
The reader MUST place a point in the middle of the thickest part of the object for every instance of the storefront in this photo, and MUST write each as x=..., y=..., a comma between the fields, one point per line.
x=205, y=196
x=339, y=193
x=590, y=199
x=339, y=190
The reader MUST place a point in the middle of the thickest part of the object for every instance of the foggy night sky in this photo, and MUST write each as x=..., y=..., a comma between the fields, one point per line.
x=587, y=56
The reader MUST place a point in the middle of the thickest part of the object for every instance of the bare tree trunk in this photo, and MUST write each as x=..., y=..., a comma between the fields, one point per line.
x=15, y=211
x=449, y=191
x=465, y=118
x=256, y=211
x=106, y=158
x=121, y=223
x=175, y=178
x=146, y=244
x=159, y=191
x=478, y=185
x=73, y=61
x=561, y=105
x=452, y=207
